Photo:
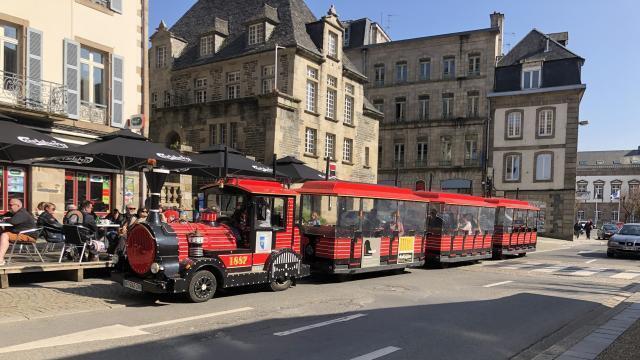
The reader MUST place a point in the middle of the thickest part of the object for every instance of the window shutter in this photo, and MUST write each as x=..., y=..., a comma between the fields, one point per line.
x=34, y=67
x=117, y=91
x=72, y=77
x=116, y=5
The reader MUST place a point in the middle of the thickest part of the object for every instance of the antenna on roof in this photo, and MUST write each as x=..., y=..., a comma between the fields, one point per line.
x=508, y=45
x=389, y=17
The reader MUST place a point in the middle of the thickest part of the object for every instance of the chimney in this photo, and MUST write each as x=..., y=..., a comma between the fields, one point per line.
x=155, y=180
x=562, y=38
x=497, y=21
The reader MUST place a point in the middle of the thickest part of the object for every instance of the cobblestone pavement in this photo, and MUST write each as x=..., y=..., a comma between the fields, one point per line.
x=61, y=297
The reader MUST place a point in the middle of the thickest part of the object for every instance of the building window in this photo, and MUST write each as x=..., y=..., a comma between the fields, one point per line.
x=581, y=186
x=213, y=134
x=233, y=76
x=92, y=77
x=200, y=96
x=379, y=105
x=310, y=137
x=598, y=190
x=634, y=187
x=233, y=135
x=161, y=56
x=379, y=156
x=401, y=104
x=15, y=185
x=268, y=79
x=616, y=190
x=544, y=167
x=9, y=54
x=545, y=122
x=474, y=65
x=447, y=105
x=581, y=215
x=233, y=90
x=312, y=91
x=347, y=150
x=531, y=78
x=333, y=44
x=446, y=148
x=223, y=134
x=332, y=94
x=401, y=71
x=154, y=99
x=379, y=71
x=81, y=186
x=398, y=155
x=512, y=167
x=471, y=150
x=423, y=107
x=347, y=36
x=167, y=99
x=425, y=69
x=330, y=146
x=449, y=67
x=206, y=45
x=514, y=125
x=615, y=216
x=312, y=73
x=473, y=104
x=366, y=156
x=256, y=34
x=421, y=155
x=349, y=104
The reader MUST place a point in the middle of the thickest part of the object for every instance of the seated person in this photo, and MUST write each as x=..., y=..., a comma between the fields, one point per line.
x=315, y=220
x=89, y=222
x=73, y=216
x=51, y=225
x=263, y=213
x=21, y=221
x=396, y=224
x=435, y=222
x=465, y=225
x=114, y=216
x=371, y=221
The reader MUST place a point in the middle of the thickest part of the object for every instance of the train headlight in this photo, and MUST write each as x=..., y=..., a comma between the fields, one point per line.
x=155, y=268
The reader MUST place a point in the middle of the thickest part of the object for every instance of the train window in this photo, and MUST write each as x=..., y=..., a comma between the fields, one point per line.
x=532, y=219
x=435, y=221
x=383, y=216
x=487, y=219
x=412, y=215
x=519, y=218
x=270, y=212
x=317, y=210
x=449, y=215
x=348, y=216
x=506, y=219
x=225, y=204
x=468, y=219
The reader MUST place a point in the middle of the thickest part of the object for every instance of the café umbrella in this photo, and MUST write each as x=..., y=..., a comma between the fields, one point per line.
x=297, y=171
x=18, y=142
x=236, y=164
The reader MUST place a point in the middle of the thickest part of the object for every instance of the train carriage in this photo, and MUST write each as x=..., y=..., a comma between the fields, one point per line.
x=351, y=228
x=516, y=227
x=460, y=227
x=250, y=238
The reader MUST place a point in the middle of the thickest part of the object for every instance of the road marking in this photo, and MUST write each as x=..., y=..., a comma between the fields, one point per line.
x=550, y=269
x=111, y=332
x=582, y=273
x=378, y=353
x=590, y=261
x=191, y=318
x=313, y=326
x=498, y=283
x=626, y=275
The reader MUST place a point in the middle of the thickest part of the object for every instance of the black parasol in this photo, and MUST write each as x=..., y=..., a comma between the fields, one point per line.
x=297, y=171
x=236, y=164
x=18, y=142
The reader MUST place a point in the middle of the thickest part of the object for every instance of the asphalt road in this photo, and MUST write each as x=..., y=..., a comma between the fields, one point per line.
x=493, y=310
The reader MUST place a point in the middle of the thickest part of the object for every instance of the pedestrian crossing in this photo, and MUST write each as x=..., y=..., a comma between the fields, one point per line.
x=568, y=270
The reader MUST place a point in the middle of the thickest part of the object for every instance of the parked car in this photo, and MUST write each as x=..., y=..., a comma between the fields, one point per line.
x=606, y=231
x=625, y=241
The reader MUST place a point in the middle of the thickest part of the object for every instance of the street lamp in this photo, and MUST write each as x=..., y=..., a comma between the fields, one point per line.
x=275, y=68
x=583, y=122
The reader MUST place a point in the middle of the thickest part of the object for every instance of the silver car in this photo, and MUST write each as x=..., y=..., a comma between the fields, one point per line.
x=626, y=241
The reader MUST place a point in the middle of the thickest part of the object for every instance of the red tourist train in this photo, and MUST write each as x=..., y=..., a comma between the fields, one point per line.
x=253, y=234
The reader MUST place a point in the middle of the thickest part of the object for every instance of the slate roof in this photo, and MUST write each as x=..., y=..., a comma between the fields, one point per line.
x=291, y=17
x=590, y=158
x=532, y=48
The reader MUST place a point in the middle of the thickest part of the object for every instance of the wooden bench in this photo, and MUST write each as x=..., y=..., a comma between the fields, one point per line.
x=73, y=270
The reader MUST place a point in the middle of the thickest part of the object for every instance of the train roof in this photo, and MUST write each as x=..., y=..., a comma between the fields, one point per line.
x=454, y=199
x=359, y=190
x=512, y=203
x=255, y=186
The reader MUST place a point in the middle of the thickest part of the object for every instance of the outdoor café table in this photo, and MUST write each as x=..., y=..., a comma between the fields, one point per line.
x=4, y=225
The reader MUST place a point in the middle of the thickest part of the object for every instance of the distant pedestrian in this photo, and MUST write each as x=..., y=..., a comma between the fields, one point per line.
x=587, y=228
x=576, y=229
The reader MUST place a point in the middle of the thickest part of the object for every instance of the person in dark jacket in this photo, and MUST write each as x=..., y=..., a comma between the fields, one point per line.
x=576, y=229
x=88, y=216
x=21, y=221
x=51, y=225
x=588, y=227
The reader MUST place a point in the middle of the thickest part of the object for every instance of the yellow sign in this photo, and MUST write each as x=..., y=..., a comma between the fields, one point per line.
x=238, y=260
x=406, y=244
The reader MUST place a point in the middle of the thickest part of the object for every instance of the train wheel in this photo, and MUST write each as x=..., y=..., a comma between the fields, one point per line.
x=278, y=285
x=202, y=286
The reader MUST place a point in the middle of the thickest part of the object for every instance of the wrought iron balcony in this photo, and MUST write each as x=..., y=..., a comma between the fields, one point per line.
x=37, y=95
x=421, y=163
x=95, y=113
x=445, y=162
x=471, y=162
x=398, y=164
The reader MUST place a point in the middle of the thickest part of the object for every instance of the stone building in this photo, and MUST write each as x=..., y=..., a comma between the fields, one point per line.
x=534, y=123
x=75, y=70
x=264, y=77
x=432, y=91
x=608, y=186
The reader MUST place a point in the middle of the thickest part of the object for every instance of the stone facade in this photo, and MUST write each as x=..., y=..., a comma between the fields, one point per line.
x=197, y=104
x=432, y=91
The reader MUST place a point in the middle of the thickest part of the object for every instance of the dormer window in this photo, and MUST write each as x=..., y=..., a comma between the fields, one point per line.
x=333, y=45
x=256, y=34
x=531, y=77
x=206, y=45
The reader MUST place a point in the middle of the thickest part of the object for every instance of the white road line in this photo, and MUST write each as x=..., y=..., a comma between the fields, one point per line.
x=582, y=273
x=498, y=283
x=313, y=326
x=198, y=317
x=378, y=353
x=590, y=261
x=626, y=275
x=550, y=269
x=111, y=332
x=521, y=266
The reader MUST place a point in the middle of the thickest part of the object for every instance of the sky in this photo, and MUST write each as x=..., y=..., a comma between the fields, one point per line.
x=604, y=33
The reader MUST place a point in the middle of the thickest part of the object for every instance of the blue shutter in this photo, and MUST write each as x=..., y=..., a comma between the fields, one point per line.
x=117, y=91
x=72, y=77
x=116, y=5
x=34, y=68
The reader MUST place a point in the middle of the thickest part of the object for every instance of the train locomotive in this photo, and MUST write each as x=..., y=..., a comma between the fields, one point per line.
x=249, y=239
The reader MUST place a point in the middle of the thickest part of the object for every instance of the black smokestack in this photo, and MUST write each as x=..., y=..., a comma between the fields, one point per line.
x=155, y=181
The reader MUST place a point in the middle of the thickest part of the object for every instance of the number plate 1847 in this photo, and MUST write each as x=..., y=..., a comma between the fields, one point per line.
x=132, y=285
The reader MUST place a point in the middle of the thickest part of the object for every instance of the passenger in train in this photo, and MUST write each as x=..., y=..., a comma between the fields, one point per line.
x=435, y=222
x=396, y=223
x=465, y=225
x=315, y=220
x=371, y=221
x=264, y=213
